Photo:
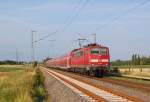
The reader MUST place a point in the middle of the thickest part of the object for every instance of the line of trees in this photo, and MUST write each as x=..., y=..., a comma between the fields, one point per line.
x=10, y=62
x=135, y=60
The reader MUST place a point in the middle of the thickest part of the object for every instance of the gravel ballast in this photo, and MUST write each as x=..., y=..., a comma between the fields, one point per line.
x=59, y=92
x=137, y=93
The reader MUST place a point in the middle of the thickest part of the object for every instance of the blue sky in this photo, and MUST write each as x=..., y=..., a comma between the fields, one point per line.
x=127, y=35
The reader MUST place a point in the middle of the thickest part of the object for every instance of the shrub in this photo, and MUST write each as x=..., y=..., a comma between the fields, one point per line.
x=39, y=92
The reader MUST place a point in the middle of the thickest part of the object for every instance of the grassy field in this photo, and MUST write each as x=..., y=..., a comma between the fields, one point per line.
x=132, y=80
x=135, y=70
x=18, y=84
x=133, y=66
x=15, y=84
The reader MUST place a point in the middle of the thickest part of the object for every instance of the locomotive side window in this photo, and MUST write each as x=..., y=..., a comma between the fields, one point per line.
x=79, y=53
x=103, y=51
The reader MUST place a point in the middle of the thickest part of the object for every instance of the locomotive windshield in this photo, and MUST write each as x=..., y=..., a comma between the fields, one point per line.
x=95, y=51
x=101, y=51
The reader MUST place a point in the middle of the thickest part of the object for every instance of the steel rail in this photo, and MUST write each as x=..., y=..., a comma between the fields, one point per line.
x=104, y=88
x=126, y=83
x=92, y=95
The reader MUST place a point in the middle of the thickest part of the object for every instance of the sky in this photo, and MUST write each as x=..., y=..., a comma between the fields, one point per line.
x=122, y=25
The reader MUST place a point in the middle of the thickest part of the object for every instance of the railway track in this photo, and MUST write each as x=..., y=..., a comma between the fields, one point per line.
x=96, y=92
x=140, y=86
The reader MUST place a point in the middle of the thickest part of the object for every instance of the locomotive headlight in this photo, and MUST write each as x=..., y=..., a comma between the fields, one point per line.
x=94, y=60
x=105, y=60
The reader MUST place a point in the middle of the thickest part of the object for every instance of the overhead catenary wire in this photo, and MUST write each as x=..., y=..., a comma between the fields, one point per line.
x=44, y=37
x=119, y=16
x=76, y=7
x=65, y=23
x=122, y=14
x=75, y=15
x=72, y=18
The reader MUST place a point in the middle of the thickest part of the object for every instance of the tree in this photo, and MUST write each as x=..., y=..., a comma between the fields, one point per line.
x=133, y=59
x=138, y=60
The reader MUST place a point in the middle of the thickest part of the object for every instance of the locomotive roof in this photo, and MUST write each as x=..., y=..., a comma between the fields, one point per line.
x=92, y=44
x=86, y=46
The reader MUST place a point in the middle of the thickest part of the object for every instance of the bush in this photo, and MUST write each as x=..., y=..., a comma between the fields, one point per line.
x=39, y=92
x=115, y=70
x=34, y=64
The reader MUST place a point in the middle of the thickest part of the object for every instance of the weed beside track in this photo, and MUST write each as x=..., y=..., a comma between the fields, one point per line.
x=39, y=92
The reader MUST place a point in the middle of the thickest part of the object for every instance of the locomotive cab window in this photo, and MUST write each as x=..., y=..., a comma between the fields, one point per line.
x=95, y=51
x=103, y=51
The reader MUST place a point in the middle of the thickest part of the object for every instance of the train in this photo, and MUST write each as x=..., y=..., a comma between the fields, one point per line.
x=92, y=59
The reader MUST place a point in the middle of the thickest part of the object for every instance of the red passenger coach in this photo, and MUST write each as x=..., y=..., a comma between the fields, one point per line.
x=92, y=59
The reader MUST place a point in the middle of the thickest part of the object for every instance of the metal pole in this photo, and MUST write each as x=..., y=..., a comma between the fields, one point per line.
x=94, y=36
x=17, y=57
x=80, y=43
x=32, y=45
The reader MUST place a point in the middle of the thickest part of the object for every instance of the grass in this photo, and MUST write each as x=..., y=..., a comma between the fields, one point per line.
x=15, y=86
x=133, y=80
x=12, y=69
x=133, y=66
x=10, y=66
x=18, y=84
x=143, y=71
x=39, y=92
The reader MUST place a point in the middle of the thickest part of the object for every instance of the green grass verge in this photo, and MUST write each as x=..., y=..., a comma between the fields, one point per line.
x=39, y=92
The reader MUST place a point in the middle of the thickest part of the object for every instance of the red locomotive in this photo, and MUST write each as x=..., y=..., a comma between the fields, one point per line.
x=92, y=59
